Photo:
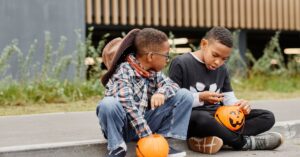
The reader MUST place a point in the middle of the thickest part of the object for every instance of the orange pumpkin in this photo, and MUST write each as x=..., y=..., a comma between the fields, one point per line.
x=231, y=117
x=152, y=146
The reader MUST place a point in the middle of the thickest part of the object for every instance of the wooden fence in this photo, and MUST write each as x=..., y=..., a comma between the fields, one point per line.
x=244, y=14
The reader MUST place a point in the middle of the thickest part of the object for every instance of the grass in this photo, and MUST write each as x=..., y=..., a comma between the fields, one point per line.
x=91, y=103
x=282, y=84
x=255, y=88
x=47, y=91
x=48, y=96
x=82, y=105
x=267, y=87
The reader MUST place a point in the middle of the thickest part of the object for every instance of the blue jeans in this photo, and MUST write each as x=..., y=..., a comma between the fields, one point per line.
x=171, y=119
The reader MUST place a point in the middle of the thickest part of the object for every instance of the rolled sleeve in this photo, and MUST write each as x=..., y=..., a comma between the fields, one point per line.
x=166, y=86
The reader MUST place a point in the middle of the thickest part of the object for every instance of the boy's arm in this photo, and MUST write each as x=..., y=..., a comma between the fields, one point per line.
x=229, y=96
x=134, y=115
x=166, y=86
x=197, y=102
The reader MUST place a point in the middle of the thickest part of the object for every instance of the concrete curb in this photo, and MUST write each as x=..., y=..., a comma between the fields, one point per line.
x=50, y=145
x=97, y=148
x=74, y=149
x=289, y=129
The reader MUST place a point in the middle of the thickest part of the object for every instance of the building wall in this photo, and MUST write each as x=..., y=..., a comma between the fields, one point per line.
x=258, y=20
x=27, y=20
x=233, y=14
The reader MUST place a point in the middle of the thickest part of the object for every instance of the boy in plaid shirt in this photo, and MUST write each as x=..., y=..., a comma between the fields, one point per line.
x=140, y=100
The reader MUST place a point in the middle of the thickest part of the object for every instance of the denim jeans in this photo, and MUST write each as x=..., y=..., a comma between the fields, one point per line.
x=171, y=119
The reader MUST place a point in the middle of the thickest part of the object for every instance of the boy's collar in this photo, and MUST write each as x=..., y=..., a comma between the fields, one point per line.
x=198, y=59
x=135, y=64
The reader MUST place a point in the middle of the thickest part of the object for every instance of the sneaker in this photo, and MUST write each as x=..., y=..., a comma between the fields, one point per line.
x=119, y=152
x=176, y=153
x=266, y=141
x=207, y=145
x=226, y=147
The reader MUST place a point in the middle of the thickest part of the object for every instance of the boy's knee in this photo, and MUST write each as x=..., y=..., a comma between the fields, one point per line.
x=184, y=93
x=107, y=106
x=270, y=117
x=202, y=119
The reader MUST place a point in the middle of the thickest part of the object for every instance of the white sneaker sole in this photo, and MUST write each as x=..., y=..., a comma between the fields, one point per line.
x=206, y=145
x=182, y=154
x=281, y=139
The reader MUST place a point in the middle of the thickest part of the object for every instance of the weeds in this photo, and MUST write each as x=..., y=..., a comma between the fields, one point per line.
x=47, y=84
x=45, y=81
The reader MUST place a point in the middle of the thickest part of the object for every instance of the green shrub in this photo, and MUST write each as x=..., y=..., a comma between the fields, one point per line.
x=272, y=61
x=48, y=84
x=236, y=65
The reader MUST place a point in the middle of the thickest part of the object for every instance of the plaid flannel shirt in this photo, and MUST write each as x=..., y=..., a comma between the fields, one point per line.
x=133, y=91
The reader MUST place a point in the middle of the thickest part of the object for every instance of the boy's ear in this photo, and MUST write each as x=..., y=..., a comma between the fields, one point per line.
x=149, y=56
x=203, y=43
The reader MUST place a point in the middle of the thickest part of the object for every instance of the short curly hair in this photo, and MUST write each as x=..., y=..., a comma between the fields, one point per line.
x=220, y=34
x=149, y=39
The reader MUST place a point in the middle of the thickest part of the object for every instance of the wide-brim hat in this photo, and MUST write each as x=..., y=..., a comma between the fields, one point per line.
x=114, y=53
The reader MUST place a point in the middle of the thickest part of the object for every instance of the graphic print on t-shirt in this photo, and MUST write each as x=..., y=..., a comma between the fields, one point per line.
x=200, y=88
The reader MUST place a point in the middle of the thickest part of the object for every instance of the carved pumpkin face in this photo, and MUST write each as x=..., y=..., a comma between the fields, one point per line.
x=231, y=117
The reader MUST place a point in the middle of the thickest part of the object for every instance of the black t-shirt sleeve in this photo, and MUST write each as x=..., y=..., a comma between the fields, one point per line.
x=175, y=71
x=227, y=85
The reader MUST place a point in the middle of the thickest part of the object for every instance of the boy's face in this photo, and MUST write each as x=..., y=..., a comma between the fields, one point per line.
x=159, y=58
x=214, y=54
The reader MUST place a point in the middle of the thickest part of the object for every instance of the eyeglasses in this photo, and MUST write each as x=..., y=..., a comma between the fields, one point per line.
x=166, y=56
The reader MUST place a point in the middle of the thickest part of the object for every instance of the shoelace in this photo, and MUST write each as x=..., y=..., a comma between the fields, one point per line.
x=259, y=143
x=116, y=152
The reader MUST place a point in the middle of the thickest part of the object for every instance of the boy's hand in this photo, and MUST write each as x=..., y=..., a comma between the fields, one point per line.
x=211, y=97
x=157, y=100
x=244, y=106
